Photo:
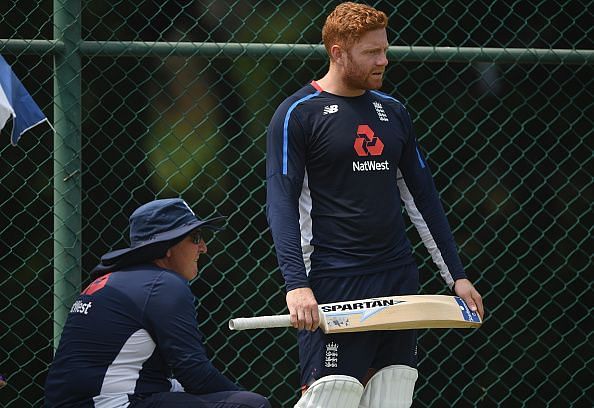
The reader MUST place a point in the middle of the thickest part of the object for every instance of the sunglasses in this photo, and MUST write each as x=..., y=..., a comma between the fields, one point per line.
x=196, y=236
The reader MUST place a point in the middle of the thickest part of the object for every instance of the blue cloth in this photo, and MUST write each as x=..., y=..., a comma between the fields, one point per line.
x=15, y=101
x=223, y=399
x=127, y=334
x=334, y=194
x=354, y=353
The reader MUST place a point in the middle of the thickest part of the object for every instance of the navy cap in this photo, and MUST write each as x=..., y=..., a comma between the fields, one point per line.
x=159, y=222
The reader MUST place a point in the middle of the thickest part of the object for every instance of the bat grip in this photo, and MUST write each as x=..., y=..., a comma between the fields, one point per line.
x=260, y=322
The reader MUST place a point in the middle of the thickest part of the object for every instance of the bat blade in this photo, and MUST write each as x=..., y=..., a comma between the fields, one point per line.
x=382, y=313
x=399, y=313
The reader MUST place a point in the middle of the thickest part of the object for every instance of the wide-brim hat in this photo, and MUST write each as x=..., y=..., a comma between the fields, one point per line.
x=154, y=224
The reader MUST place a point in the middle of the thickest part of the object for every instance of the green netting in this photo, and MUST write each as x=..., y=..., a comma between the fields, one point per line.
x=174, y=100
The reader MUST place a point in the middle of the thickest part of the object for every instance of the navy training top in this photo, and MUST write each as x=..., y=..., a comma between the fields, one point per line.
x=127, y=334
x=337, y=170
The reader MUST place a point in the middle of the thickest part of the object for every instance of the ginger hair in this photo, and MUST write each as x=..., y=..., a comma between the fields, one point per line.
x=348, y=22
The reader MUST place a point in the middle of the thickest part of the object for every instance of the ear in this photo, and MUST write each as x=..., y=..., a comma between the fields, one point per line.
x=337, y=53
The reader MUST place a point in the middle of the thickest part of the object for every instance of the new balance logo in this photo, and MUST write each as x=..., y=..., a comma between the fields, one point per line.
x=330, y=109
x=380, y=111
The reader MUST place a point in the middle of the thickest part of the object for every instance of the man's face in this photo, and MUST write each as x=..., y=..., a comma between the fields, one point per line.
x=184, y=257
x=366, y=61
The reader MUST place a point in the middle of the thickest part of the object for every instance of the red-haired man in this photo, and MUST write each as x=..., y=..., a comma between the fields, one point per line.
x=342, y=159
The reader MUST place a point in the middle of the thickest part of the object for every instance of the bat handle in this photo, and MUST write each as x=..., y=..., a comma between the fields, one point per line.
x=260, y=322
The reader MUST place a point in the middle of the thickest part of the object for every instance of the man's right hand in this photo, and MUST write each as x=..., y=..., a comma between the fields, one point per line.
x=303, y=308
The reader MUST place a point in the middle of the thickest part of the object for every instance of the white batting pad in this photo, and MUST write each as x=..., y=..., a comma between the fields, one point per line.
x=390, y=387
x=332, y=391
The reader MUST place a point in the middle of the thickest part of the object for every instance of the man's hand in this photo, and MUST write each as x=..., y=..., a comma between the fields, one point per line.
x=303, y=308
x=470, y=295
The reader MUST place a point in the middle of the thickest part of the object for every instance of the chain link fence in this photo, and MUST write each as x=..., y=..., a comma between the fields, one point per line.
x=175, y=97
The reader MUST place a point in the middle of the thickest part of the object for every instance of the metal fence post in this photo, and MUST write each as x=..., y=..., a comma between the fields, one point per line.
x=67, y=161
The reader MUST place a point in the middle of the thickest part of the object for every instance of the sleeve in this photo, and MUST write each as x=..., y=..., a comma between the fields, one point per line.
x=171, y=319
x=285, y=171
x=423, y=205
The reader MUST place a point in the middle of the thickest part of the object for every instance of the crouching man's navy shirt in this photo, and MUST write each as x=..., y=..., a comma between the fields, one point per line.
x=126, y=335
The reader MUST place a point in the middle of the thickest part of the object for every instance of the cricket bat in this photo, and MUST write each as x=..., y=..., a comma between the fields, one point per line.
x=381, y=313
